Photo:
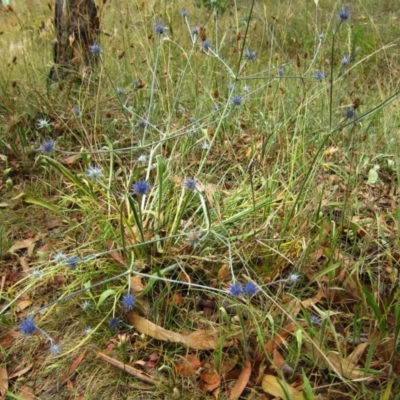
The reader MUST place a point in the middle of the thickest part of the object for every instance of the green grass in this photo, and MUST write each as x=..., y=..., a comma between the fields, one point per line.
x=285, y=185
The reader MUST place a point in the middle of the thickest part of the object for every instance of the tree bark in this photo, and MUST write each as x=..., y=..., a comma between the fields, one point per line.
x=77, y=27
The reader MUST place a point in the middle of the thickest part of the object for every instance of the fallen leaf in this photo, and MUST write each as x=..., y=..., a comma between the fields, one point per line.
x=187, y=366
x=22, y=304
x=274, y=386
x=116, y=255
x=136, y=284
x=198, y=340
x=3, y=381
x=280, y=338
x=210, y=381
x=127, y=368
x=355, y=355
x=74, y=366
x=277, y=360
x=24, y=244
x=21, y=372
x=242, y=381
x=26, y=393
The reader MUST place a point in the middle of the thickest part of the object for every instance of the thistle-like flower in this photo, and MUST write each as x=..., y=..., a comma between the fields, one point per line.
x=28, y=326
x=195, y=31
x=47, y=146
x=281, y=71
x=250, y=289
x=237, y=100
x=60, y=257
x=350, y=113
x=95, y=49
x=319, y=75
x=159, y=28
x=141, y=188
x=184, y=13
x=129, y=301
x=250, y=55
x=236, y=289
x=142, y=159
x=42, y=123
x=344, y=14
x=55, y=349
x=113, y=322
x=72, y=262
x=293, y=278
x=190, y=184
x=206, y=45
x=76, y=111
x=94, y=173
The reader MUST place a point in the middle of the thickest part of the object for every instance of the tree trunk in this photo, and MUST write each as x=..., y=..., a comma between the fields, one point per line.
x=77, y=27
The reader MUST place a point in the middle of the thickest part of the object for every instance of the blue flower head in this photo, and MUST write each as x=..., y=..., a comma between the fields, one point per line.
x=195, y=31
x=190, y=184
x=344, y=14
x=250, y=55
x=345, y=60
x=113, y=322
x=319, y=75
x=95, y=49
x=237, y=100
x=184, y=13
x=350, y=112
x=28, y=326
x=236, y=289
x=47, y=146
x=55, y=349
x=119, y=91
x=94, y=173
x=281, y=71
x=128, y=301
x=250, y=289
x=72, y=262
x=206, y=45
x=141, y=188
x=76, y=111
x=159, y=28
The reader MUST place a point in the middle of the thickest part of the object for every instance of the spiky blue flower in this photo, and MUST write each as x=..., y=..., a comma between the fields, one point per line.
x=142, y=123
x=95, y=49
x=293, y=278
x=250, y=55
x=55, y=349
x=315, y=319
x=141, y=188
x=281, y=71
x=236, y=289
x=76, y=111
x=319, y=75
x=113, y=322
x=60, y=257
x=94, y=173
x=195, y=31
x=190, y=184
x=206, y=45
x=184, y=13
x=350, y=112
x=129, y=301
x=72, y=262
x=345, y=60
x=250, y=289
x=237, y=100
x=119, y=91
x=159, y=28
x=28, y=326
x=47, y=146
x=136, y=82
x=43, y=123
x=344, y=13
